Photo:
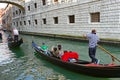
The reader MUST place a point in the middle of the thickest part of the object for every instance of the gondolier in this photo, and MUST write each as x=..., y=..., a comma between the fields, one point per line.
x=15, y=34
x=93, y=40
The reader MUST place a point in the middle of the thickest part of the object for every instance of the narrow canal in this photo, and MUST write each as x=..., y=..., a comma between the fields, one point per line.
x=22, y=64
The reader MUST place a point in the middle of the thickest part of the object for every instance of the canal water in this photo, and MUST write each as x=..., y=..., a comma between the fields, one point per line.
x=23, y=64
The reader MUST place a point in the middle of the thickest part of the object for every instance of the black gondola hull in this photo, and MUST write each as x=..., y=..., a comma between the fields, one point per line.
x=96, y=71
x=15, y=44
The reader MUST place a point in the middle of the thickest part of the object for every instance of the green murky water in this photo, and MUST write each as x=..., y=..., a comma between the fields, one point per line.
x=22, y=64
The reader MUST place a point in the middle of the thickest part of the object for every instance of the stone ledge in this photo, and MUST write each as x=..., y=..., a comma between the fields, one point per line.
x=75, y=38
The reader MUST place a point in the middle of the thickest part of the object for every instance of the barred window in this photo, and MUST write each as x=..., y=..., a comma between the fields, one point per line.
x=44, y=21
x=28, y=8
x=29, y=22
x=55, y=0
x=20, y=23
x=36, y=21
x=95, y=17
x=24, y=22
x=71, y=18
x=16, y=23
x=19, y=11
x=44, y=2
x=35, y=4
x=55, y=20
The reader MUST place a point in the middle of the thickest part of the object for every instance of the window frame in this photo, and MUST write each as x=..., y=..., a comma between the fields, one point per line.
x=43, y=2
x=71, y=18
x=95, y=17
x=55, y=20
x=44, y=21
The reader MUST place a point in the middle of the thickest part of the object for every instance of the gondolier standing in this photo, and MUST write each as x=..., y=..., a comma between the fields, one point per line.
x=15, y=34
x=93, y=40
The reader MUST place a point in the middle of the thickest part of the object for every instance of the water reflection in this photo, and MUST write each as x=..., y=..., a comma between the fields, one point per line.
x=35, y=73
x=18, y=52
x=5, y=54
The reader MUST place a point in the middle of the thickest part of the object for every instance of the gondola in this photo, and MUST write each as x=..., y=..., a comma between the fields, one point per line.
x=82, y=66
x=13, y=44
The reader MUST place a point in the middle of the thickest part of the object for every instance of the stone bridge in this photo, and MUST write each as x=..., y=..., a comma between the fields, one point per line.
x=14, y=2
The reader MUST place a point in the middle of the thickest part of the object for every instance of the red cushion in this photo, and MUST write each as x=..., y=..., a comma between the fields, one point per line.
x=68, y=55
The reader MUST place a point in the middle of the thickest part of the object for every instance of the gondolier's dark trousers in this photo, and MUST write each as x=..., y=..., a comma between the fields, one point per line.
x=15, y=38
x=92, y=52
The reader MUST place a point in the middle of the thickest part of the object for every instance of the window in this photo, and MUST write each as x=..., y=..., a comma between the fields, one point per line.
x=35, y=4
x=55, y=20
x=71, y=19
x=16, y=12
x=29, y=22
x=13, y=23
x=95, y=17
x=20, y=23
x=28, y=8
x=24, y=22
x=44, y=2
x=55, y=0
x=16, y=23
x=36, y=21
x=19, y=11
x=44, y=21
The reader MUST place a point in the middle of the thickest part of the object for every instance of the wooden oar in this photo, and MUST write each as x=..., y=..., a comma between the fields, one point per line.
x=113, y=57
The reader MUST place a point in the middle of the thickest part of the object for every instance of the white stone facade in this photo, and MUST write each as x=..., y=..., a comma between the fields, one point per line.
x=108, y=27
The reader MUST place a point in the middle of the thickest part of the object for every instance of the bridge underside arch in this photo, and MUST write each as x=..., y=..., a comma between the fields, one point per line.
x=13, y=3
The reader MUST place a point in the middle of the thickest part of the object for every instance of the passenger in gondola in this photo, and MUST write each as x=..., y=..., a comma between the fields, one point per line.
x=57, y=51
x=54, y=52
x=60, y=51
x=45, y=49
x=70, y=56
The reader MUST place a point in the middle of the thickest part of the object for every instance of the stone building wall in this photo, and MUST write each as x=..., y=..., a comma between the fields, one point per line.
x=108, y=26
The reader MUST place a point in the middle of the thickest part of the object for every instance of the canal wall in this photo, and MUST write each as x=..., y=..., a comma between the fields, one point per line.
x=73, y=38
